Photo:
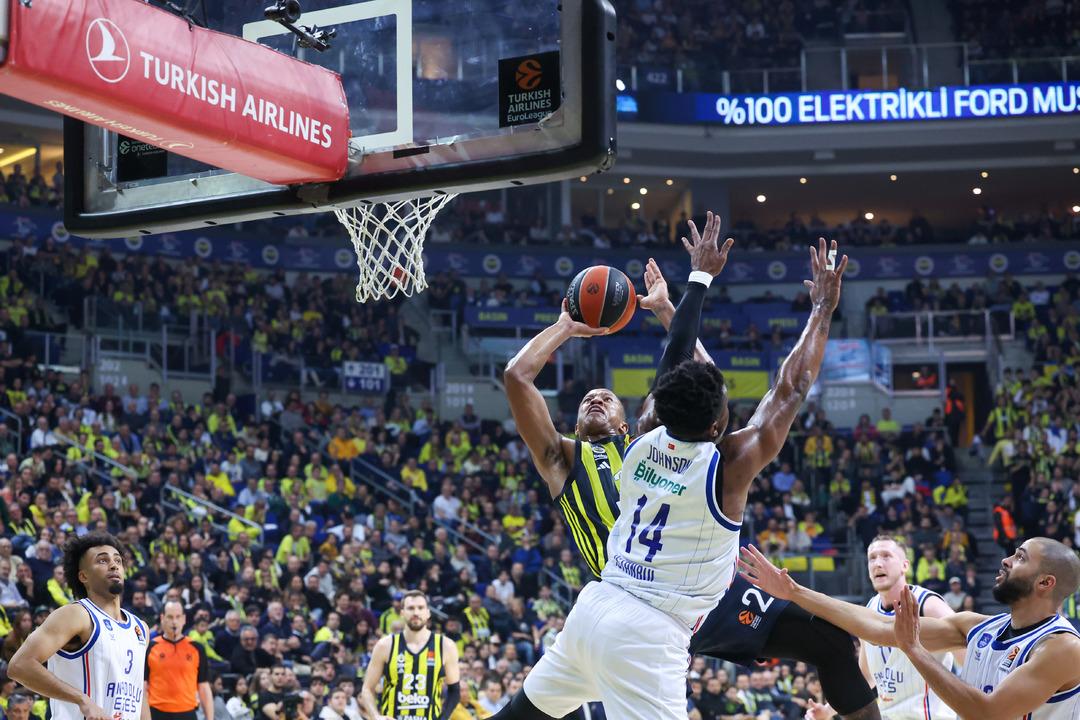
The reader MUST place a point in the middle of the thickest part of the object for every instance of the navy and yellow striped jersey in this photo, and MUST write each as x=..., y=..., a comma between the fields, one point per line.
x=413, y=682
x=590, y=498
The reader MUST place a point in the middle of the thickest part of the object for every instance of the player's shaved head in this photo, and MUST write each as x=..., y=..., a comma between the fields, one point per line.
x=1060, y=561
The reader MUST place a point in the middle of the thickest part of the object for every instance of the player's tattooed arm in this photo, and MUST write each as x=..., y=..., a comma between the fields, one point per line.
x=551, y=452
x=66, y=627
x=752, y=448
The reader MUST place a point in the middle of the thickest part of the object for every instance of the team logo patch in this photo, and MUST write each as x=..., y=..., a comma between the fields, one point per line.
x=985, y=640
x=139, y=633
x=431, y=658
x=747, y=617
x=108, y=625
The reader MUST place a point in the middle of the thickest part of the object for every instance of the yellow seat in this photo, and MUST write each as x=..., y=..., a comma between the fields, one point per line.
x=823, y=563
x=795, y=563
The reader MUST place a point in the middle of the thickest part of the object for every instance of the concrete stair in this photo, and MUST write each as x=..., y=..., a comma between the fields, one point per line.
x=984, y=489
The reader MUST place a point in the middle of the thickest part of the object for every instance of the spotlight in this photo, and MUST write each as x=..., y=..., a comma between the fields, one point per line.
x=976, y=191
x=635, y=206
x=760, y=198
x=644, y=191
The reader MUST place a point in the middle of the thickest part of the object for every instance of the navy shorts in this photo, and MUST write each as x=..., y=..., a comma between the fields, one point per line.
x=739, y=627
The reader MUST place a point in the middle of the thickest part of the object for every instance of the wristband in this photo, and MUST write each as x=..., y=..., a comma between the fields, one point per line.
x=700, y=276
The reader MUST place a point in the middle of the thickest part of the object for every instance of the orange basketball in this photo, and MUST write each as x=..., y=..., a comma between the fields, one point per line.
x=601, y=296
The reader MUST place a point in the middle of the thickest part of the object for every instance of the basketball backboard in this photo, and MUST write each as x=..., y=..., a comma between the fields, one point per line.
x=443, y=97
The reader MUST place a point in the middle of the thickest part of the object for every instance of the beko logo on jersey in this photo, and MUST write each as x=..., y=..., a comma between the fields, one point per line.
x=647, y=476
x=675, y=464
x=412, y=700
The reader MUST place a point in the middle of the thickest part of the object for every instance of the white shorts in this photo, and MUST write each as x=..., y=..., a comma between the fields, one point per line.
x=616, y=649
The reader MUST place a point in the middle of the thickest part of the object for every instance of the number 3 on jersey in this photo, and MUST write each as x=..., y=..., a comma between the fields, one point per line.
x=656, y=526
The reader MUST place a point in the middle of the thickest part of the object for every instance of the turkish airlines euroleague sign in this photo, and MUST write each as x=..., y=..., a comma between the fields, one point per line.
x=142, y=72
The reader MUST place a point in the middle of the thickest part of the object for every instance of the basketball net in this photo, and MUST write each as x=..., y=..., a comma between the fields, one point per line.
x=389, y=242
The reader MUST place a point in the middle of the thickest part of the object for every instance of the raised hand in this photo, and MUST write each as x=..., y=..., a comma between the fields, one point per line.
x=817, y=711
x=705, y=252
x=825, y=287
x=906, y=625
x=655, y=287
x=756, y=568
x=577, y=329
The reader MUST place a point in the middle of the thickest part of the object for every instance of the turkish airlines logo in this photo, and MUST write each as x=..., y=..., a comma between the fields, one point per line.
x=107, y=50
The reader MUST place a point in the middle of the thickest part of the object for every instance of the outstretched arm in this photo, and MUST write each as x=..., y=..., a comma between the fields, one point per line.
x=659, y=303
x=1052, y=667
x=551, y=452
x=939, y=633
x=707, y=260
x=749, y=450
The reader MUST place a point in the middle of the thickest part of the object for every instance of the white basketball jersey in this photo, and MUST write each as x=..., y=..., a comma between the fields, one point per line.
x=671, y=546
x=990, y=660
x=902, y=693
x=108, y=668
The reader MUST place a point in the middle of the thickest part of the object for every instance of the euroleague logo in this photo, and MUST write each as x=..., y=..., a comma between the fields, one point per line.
x=749, y=618
x=593, y=288
x=529, y=74
x=107, y=50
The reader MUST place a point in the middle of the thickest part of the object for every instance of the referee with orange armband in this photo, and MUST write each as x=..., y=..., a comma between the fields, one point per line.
x=177, y=671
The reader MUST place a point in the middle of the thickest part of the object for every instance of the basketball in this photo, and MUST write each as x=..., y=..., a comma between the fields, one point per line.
x=602, y=296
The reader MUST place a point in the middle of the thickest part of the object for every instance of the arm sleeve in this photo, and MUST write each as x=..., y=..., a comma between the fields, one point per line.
x=683, y=333
x=453, y=697
x=204, y=664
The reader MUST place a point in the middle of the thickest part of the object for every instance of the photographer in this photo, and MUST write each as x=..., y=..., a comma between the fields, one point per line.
x=277, y=702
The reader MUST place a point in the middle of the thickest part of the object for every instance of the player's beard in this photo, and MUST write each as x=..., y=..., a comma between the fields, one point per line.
x=416, y=624
x=1010, y=589
x=116, y=587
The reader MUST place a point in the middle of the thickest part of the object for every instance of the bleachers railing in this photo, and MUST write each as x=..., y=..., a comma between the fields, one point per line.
x=387, y=486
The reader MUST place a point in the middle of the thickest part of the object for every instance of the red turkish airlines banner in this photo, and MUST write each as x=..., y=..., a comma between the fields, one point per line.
x=134, y=69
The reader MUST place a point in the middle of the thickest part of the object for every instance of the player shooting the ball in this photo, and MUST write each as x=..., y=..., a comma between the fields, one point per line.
x=581, y=475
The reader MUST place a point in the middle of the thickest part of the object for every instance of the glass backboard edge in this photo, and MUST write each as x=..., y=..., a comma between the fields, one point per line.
x=594, y=152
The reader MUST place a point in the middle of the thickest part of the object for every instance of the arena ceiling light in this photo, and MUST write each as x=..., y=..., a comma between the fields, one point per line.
x=802, y=181
x=16, y=157
x=626, y=181
x=1076, y=208
x=761, y=198
x=583, y=178
x=1076, y=171
x=669, y=182
x=635, y=206
x=869, y=216
x=976, y=191
x=620, y=85
x=984, y=174
x=610, y=191
x=892, y=178
x=644, y=191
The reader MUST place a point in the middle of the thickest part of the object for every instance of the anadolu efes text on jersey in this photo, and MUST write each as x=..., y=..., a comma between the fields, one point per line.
x=672, y=546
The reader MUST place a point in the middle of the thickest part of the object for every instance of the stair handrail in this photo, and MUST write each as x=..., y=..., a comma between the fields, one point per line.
x=561, y=590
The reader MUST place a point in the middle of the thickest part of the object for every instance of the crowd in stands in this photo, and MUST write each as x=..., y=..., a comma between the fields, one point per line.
x=1032, y=429
x=1017, y=28
x=704, y=38
x=483, y=221
x=38, y=190
x=315, y=574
